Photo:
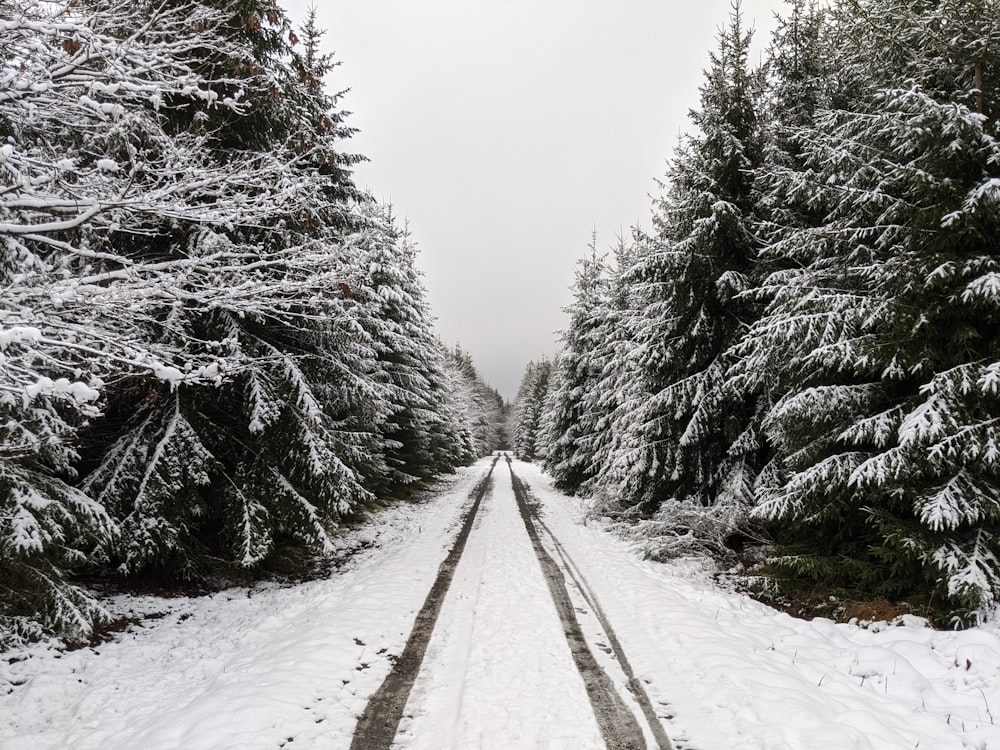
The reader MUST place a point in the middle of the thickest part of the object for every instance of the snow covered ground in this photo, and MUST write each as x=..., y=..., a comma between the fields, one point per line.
x=274, y=667
x=736, y=674
x=498, y=673
x=260, y=668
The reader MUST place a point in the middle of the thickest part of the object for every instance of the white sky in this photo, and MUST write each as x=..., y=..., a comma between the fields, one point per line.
x=507, y=131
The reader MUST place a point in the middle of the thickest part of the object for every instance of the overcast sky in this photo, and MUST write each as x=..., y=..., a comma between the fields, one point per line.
x=507, y=131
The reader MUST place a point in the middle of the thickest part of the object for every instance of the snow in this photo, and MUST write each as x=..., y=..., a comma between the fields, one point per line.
x=989, y=381
x=735, y=673
x=498, y=672
x=986, y=288
x=26, y=533
x=79, y=392
x=212, y=372
x=244, y=668
x=19, y=335
x=271, y=666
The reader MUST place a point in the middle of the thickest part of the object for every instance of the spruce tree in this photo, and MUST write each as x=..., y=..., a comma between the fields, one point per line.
x=475, y=414
x=48, y=527
x=409, y=357
x=285, y=444
x=680, y=422
x=612, y=364
x=802, y=79
x=90, y=171
x=569, y=421
x=882, y=331
x=191, y=180
x=528, y=410
x=486, y=405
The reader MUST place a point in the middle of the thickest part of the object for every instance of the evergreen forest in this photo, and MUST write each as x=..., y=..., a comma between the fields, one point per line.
x=215, y=350
x=801, y=357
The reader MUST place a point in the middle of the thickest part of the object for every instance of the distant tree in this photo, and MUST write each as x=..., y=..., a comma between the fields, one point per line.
x=409, y=357
x=479, y=407
x=528, y=410
x=550, y=415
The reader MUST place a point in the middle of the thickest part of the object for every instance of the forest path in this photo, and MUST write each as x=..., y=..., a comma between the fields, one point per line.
x=515, y=659
x=280, y=667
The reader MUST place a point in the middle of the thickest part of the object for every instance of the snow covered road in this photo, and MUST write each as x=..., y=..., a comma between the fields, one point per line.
x=285, y=667
x=499, y=672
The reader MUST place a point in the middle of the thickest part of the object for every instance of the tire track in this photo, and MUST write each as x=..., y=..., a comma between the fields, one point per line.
x=634, y=684
x=379, y=722
x=618, y=725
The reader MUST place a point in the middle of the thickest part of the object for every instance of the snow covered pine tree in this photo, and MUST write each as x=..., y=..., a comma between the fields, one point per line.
x=179, y=227
x=569, y=422
x=885, y=325
x=86, y=159
x=678, y=451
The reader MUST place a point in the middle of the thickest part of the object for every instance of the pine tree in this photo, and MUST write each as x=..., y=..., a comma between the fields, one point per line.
x=473, y=413
x=550, y=415
x=569, y=422
x=460, y=414
x=47, y=526
x=485, y=412
x=181, y=166
x=286, y=443
x=611, y=361
x=802, y=79
x=528, y=410
x=409, y=357
x=680, y=423
x=882, y=330
x=87, y=161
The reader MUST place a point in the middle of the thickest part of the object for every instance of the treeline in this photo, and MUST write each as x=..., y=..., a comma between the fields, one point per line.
x=213, y=346
x=805, y=349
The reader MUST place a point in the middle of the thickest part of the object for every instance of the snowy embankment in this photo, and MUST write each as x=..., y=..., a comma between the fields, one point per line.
x=243, y=668
x=293, y=667
x=737, y=674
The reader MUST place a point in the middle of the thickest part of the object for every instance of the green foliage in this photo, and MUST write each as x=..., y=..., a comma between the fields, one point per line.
x=681, y=428
x=47, y=526
x=570, y=420
x=420, y=438
x=221, y=348
x=879, y=335
x=527, y=438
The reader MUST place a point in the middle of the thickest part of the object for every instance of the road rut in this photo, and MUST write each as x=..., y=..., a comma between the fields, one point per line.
x=510, y=627
x=378, y=724
x=619, y=727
